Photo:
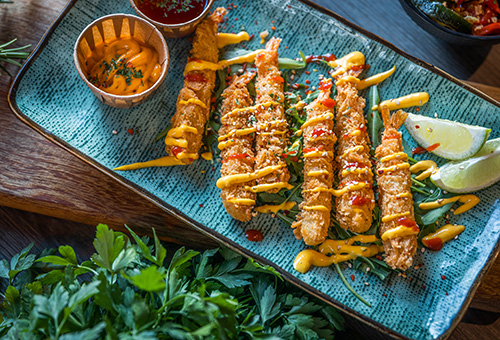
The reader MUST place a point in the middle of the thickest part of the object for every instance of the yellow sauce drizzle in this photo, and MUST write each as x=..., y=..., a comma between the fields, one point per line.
x=267, y=187
x=200, y=65
x=346, y=62
x=340, y=192
x=246, y=58
x=241, y=201
x=357, y=171
x=354, y=149
x=207, y=156
x=296, y=143
x=194, y=101
x=393, y=168
x=179, y=131
x=164, y=161
x=316, y=207
x=375, y=79
x=339, y=251
x=314, y=120
x=316, y=173
x=238, y=132
x=224, y=39
x=388, y=218
x=266, y=209
x=184, y=155
x=469, y=202
x=176, y=142
x=354, y=133
x=347, y=79
x=404, y=194
x=299, y=106
x=228, y=143
x=399, y=231
x=226, y=181
x=429, y=166
x=397, y=155
x=414, y=99
x=274, y=132
x=250, y=108
x=446, y=233
x=313, y=154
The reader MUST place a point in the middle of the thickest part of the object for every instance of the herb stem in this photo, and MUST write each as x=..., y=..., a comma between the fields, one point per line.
x=344, y=280
x=419, y=190
x=420, y=184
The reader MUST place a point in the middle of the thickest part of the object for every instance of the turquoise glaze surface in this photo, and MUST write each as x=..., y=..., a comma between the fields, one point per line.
x=53, y=96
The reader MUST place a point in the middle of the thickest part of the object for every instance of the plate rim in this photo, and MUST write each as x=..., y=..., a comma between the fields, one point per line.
x=221, y=239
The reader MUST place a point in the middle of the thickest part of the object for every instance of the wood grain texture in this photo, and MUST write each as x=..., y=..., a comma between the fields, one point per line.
x=38, y=176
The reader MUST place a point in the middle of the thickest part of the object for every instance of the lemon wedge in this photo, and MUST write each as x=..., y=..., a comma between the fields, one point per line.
x=445, y=138
x=473, y=174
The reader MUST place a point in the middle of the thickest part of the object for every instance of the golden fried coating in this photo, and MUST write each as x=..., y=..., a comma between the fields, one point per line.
x=237, y=156
x=354, y=207
x=314, y=219
x=271, y=124
x=193, y=102
x=395, y=199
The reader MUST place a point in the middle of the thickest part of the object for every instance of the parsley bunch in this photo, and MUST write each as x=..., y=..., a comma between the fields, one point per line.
x=128, y=290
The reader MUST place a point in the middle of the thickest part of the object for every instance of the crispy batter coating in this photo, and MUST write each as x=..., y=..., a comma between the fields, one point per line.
x=312, y=225
x=271, y=124
x=238, y=157
x=401, y=250
x=198, y=85
x=355, y=207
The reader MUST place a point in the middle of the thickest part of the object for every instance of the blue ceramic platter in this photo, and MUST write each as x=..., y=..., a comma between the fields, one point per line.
x=49, y=96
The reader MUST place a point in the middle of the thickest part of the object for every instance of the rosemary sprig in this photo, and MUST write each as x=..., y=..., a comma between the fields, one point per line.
x=9, y=54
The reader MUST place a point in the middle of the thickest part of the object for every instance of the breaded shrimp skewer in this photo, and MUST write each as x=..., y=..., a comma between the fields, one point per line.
x=355, y=204
x=237, y=152
x=193, y=103
x=398, y=229
x=319, y=141
x=271, y=124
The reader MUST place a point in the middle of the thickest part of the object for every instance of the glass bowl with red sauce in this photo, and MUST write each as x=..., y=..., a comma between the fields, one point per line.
x=174, y=18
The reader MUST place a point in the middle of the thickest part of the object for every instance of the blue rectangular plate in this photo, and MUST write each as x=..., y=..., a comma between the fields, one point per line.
x=49, y=96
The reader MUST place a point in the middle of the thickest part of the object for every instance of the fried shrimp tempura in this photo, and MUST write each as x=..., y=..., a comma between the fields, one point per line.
x=355, y=206
x=237, y=153
x=396, y=201
x=314, y=219
x=193, y=103
x=271, y=123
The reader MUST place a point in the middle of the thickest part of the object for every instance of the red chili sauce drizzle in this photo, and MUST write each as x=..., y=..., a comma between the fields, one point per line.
x=195, y=77
x=409, y=223
x=359, y=200
x=420, y=150
x=325, y=57
x=254, y=235
x=435, y=244
x=171, y=13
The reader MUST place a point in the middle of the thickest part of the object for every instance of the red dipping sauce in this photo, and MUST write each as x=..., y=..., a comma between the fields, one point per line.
x=254, y=235
x=171, y=12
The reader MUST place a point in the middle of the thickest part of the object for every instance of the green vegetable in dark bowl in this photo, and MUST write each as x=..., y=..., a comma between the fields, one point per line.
x=443, y=15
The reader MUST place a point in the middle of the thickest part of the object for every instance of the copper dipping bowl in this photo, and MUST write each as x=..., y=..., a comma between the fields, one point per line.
x=107, y=29
x=176, y=30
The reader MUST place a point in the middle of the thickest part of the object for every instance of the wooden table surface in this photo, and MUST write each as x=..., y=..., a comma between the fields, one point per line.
x=50, y=197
